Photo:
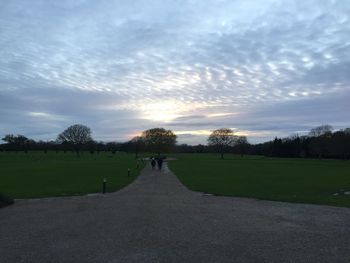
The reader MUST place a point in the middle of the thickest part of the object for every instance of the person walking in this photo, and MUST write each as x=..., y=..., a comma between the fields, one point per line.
x=153, y=163
x=160, y=163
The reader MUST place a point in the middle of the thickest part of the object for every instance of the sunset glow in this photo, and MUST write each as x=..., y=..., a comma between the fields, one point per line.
x=267, y=68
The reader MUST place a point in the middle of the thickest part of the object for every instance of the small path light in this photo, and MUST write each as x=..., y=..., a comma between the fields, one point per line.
x=104, y=185
x=129, y=172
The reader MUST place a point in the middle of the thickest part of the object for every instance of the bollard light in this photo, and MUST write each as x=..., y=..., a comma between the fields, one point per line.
x=129, y=172
x=104, y=185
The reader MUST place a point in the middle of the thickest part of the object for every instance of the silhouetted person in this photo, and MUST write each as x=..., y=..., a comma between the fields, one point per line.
x=160, y=163
x=153, y=163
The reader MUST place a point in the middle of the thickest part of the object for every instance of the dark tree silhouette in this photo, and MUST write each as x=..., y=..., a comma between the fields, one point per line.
x=137, y=144
x=18, y=142
x=76, y=135
x=242, y=145
x=321, y=142
x=159, y=140
x=321, y=138
x=222, y=139
x=321, y=130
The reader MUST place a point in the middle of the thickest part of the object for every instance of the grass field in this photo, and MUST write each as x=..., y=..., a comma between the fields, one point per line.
x=36, y=174
x=292, y=180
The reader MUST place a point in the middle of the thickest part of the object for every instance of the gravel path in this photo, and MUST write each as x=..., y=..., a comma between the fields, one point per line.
x=156, y=219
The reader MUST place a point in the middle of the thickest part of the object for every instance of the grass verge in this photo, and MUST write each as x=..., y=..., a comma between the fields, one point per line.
x=37, y=174
x=292, y=180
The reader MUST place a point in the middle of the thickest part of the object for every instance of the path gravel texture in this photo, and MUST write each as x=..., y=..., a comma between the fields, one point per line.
x=156, y=219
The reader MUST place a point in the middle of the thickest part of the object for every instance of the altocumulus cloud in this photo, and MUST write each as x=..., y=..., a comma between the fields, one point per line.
x=264, y=68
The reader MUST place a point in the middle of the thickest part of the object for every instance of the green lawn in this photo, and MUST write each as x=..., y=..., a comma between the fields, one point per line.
x=291, y=180
x=37, y=174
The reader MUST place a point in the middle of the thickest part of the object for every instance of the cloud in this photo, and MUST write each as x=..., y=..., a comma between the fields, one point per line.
x=188, y=65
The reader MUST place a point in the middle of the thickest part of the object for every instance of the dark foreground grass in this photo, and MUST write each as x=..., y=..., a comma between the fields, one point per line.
x=291, y=180
x=37, y=174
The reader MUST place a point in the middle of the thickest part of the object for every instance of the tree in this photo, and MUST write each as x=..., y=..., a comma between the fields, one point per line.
x=19, y=142
x=321, y=130
x=137, y=145
x=321, y=136
x=346, y=131
x=9, y=138
x=159, y=140
x=222, y=139
x=75, y=135
x=242, y=144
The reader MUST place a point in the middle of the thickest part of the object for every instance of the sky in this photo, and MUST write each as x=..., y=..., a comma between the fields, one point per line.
x=263, y=68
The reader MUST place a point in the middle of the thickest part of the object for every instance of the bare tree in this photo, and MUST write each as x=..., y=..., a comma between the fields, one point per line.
x=137, y=145
x=321, y=130
x=76, y=135
x=242, y=144
x=222, y=139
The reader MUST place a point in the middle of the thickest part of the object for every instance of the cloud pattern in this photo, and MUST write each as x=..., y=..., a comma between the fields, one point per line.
x=265, y=68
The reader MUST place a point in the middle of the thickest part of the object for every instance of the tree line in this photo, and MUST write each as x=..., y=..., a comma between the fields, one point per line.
x=321, y=142
x=77, y=138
